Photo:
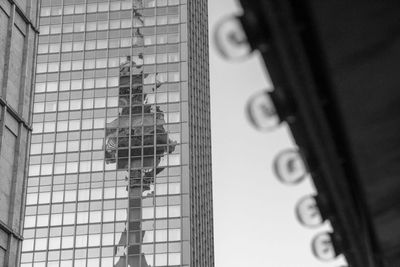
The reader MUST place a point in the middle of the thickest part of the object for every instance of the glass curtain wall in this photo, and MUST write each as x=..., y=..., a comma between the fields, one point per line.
x=107, y=182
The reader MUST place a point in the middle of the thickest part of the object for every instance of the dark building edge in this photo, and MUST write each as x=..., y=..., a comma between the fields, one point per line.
x=17, y=75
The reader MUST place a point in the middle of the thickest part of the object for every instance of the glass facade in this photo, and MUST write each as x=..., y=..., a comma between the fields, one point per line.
x=109, y=180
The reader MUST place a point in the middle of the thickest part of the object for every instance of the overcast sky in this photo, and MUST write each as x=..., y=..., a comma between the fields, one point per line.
x=254, y=220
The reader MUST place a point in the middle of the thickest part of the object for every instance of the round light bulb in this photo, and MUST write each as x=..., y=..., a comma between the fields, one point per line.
x=231, y=40
x=307, y=212
x=323, y=248
x=289, y=167
x=262, y=113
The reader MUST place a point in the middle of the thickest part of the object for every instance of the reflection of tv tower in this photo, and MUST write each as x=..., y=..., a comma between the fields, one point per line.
x=139, y=130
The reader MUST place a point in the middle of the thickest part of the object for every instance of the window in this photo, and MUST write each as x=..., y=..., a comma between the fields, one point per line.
x=161, y=259
x=98, y=123
x=76, y=84
x=94, y=240
x=162, y=58
x=162, y=20
x=115, y=24
x=63, y=105
x=109, y=192
x=81, y=241
x=97, y=144
x=68, y=10
x=72, y=167
x=103, y=7
x=100, y=102
x=83, y=194
x=70, y=195
x=58, y=196
x=65, y=66
x=66, y=47
x=64, y=85
x=42, y=220
x=40, y=87
x=96, y=193
x=62, y=126
x=38, y=107
x=90, y=45
x=88, y=83
x=41, y=67
x=79, y=9
x=43, y=48
x=121, y=215
x=161, y=235
x=108, y=216
x=27, y=245
x=174, y=211
x=56, y=219
x=69, y=218
x=173, y=76
x=174, y=259
x=75, y=104
x=46, y=169
x=45, y=11
x=91, y=8
x=77, y=64
x=44, y=30
x=52, y=86
x=55, y=48
x=55, y=29
x=74, y=125
x=161, y=189
x=149, y=59
x=54, y=242
x=68, y=28
x=31, y=198
x=29, y=221
x=148, y=237
x=37, y=127
x=161, y=212
x=173, y=57
x=41, y=244
x=73, y=146
x=79, y=27
x=102, y=25
x=59, y=168
x=95, y=216
x=173, y=19
x=67, y=242
x=149, y=21
x=149, y=3
x=174, y=234
x=91, y=26
x=161, y=39
x=51, y=106
x=147, y=213
x=86, y=124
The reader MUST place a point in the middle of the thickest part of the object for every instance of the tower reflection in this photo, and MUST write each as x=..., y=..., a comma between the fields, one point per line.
x=136, y=142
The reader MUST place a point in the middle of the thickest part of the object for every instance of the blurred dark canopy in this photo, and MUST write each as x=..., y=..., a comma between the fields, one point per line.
x=335, y=65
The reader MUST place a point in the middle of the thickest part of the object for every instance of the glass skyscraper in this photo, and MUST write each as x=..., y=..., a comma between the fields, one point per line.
x=120, y=157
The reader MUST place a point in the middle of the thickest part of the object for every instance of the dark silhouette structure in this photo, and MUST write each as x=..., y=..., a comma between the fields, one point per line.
x=18, y=39
x=334, y=68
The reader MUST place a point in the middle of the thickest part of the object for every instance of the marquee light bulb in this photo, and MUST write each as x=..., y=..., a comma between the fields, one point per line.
x=307, y=212
x=262, y=113
x=322, y=247
x=231, y=40
x=289, y=167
